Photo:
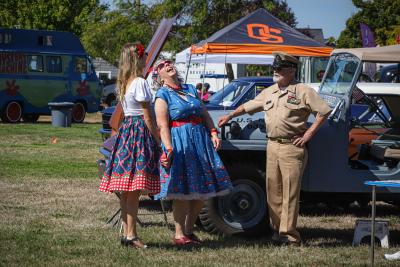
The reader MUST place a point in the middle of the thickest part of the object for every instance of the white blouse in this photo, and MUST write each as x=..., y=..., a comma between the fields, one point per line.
x=138, y=91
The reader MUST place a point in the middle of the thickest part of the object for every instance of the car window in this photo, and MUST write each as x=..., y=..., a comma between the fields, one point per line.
x=81, y=65
x=54, y=64
x=340, y=74
x=261, y=87
x=229, y=94
x=35, y=63
x=252, y=93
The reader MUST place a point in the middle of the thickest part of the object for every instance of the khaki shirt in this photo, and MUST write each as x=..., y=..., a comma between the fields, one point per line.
x=286, y=112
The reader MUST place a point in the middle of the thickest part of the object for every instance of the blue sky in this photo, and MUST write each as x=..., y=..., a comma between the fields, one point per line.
x=330, y=15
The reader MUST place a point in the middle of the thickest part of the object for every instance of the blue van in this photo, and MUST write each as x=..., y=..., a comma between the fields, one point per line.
x=38, y=67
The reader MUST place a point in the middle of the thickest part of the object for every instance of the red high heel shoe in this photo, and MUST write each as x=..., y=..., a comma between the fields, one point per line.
x=182, y=241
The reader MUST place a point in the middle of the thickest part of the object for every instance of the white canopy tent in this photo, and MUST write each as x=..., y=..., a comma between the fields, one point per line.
x=184, y=57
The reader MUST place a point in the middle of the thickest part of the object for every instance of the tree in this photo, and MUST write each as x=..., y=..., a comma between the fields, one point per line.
x=199, y=18
x=331, y=41
x=62, y=15
x=382, y=16
x=132, y=20
x=105, y=38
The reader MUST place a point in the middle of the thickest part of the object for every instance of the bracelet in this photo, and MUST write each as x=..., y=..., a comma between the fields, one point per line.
x=214, y=131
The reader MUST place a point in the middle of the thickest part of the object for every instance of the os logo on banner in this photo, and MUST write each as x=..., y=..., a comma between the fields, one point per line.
x=264, y=33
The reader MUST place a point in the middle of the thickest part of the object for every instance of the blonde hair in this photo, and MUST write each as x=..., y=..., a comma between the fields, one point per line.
x=130, y=66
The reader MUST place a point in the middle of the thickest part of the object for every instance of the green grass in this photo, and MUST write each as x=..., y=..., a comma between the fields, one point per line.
x=52, y=214
x=27, y=151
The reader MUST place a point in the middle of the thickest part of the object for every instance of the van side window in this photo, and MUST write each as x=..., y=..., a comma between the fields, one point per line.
x=80, y=65
x=5, y=38
x=54, y=64
x=35, y=63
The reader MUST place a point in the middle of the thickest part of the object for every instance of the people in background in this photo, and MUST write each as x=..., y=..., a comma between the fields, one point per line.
x=191, y=168
x=133, y=167
x=205, y=92
x=199, y=88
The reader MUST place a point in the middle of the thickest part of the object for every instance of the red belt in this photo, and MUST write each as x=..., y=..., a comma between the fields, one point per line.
x=194, y=120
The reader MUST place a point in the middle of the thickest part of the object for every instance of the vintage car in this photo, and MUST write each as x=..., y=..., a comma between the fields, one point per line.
x=389, y=74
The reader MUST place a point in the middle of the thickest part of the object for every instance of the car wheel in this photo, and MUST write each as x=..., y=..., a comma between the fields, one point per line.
x=244, y=210
x=12, y=112
x=32, y=118
x=78, y=112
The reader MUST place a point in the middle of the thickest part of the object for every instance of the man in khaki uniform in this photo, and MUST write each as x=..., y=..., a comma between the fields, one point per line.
x=287, y=105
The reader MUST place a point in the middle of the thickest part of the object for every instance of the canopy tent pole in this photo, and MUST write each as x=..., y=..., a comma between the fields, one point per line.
x=226, y=54
x=204, y=76
x=188, y=66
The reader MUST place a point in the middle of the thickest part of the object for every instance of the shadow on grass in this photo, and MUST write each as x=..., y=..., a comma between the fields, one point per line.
x=220, y=243
x=382, y=210
x=323, y=237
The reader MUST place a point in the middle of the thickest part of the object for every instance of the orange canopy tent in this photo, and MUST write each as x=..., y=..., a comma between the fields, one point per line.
x=260, y=33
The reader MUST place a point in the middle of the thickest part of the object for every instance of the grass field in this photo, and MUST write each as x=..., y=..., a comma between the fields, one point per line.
x=52, y=214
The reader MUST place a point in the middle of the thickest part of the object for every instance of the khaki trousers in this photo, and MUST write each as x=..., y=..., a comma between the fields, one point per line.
x=285, y=166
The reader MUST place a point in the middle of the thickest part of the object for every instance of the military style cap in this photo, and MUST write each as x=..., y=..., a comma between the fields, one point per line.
x=283, y=60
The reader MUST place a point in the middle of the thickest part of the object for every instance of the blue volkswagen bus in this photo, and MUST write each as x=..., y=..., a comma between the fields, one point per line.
x=38, y=67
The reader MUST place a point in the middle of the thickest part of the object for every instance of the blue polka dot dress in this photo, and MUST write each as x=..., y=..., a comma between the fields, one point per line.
x=197, y=171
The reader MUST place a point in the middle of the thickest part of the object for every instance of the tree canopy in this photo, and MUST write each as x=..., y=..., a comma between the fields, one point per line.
x=104, y=31
x=198, y=19
x=61, y=15
x=382, y=16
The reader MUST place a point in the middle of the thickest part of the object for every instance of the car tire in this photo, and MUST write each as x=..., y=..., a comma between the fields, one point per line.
x=243, y=211
x=12, y=112
x=31, y=118
x=78, y=112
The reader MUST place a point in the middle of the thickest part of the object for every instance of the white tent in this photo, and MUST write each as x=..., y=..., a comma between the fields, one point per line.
x=184, y=57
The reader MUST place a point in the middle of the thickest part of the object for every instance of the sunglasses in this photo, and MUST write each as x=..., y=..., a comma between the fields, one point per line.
x=163, y=63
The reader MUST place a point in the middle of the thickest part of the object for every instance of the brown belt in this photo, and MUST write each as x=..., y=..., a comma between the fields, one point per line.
x=281, y=140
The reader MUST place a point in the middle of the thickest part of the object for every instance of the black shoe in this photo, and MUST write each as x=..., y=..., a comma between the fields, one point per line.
x=135, y=243
x=286, y=242
x=123, y=241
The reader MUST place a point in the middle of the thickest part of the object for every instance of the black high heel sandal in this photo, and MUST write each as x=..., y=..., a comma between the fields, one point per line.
x=135, y=243
x=123, y=240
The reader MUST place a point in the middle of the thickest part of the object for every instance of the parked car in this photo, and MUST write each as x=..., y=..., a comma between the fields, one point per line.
x=238, y=92
x=38, y=67
x=108, y=95
x=389, y=74
x=348, y=150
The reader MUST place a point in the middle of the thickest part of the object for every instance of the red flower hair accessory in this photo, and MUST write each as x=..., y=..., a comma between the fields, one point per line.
x=139, y=50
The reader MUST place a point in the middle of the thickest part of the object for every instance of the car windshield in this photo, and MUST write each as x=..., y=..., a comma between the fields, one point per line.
x=228, y=95
x=340, y=73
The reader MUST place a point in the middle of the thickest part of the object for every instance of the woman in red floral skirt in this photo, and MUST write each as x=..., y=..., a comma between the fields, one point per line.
x=132, y=168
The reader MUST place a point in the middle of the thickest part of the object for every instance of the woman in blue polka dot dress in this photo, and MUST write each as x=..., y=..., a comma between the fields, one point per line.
x=191, y=170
